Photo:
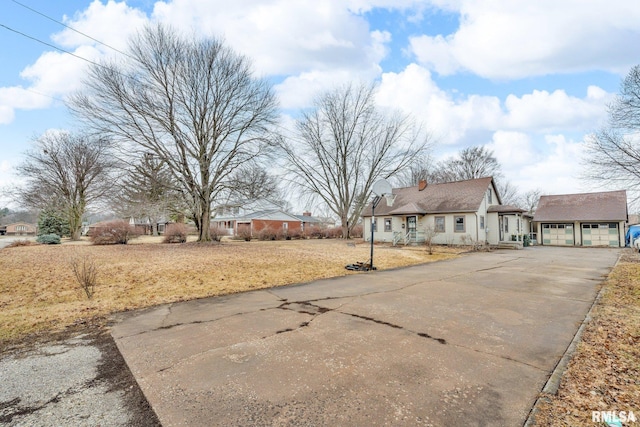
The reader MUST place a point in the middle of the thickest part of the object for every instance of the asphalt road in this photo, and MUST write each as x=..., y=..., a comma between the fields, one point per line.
x=470, y=341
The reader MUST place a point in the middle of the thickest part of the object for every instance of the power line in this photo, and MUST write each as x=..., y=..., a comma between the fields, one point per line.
x=71, y=28
x=50, y=45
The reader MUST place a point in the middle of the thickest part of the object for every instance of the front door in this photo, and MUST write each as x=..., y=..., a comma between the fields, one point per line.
x=411, y=227
x=501, y=227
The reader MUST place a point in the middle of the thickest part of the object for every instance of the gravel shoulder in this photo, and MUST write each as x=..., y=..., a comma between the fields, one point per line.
x=77, y=378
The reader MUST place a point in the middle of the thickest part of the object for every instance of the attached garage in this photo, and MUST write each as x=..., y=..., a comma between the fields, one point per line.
x=588, y=219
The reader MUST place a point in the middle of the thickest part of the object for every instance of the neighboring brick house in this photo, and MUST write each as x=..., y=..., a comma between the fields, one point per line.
x=457, y=212
x=21, y=229
x=274, y=219
x=586, y=219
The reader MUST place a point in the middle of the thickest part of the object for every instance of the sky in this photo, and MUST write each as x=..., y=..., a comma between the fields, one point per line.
x=529, y=80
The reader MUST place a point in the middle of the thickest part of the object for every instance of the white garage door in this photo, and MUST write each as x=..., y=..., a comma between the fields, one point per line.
x=557, y=234
x=600, y=234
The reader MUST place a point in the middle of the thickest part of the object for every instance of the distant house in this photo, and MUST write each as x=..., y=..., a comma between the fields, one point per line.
x=587, y=219
x=309, y=221
x=275, y=220
x=457, y=212
x=21, y=229
x=143, y=226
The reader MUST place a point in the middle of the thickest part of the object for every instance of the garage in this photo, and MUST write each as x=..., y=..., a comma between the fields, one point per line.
x=586, y=219
x=600, y=234
x=558, y=234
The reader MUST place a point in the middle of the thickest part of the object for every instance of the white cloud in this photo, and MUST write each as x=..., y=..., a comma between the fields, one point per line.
x=556, y=171
x=505, y=39
x=450, y=119
x=111, y=23
x=284, y=37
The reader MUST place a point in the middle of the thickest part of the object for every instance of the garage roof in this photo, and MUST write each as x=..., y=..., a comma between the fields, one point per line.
x=603, y=206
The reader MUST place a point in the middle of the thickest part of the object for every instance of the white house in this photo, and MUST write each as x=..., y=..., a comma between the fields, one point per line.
x=460, y=212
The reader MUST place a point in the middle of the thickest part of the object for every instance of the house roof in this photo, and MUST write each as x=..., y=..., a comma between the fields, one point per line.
x=272, y=214
x=458, y=196
x=603, y=206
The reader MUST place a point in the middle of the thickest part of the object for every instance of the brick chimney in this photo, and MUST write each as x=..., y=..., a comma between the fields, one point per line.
x=306, y=213
x=422, y=184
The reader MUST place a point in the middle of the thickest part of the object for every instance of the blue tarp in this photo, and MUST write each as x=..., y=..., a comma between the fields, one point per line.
x=632, y=233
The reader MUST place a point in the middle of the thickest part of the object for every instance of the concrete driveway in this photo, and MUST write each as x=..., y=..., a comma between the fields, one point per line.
x=469, y=342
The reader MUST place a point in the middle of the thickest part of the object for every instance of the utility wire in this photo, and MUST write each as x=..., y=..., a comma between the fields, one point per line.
x=50, y=45
x=71, y=28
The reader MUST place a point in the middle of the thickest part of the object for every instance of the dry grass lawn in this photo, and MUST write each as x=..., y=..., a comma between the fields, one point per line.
x=604, y=373
x=39, y=293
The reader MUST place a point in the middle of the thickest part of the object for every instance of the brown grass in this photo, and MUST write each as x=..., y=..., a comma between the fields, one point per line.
x=604, y=373
x=40, y=293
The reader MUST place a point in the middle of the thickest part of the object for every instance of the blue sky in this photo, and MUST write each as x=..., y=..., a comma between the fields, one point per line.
x=529, y=80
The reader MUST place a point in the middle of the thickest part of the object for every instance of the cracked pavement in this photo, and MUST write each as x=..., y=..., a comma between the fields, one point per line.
x=469, y=341
x=76, y=380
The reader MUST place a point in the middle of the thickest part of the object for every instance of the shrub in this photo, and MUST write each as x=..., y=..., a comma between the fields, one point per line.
x=295, y=234
x=19, y=243
x=217, y=233
x=333, y=233
x=357, y=231
x=314, y=232
x=267, y=233
x=48, y=239
x=175, y=233
x=86, y=273
x=113, y=233
x=244, y=233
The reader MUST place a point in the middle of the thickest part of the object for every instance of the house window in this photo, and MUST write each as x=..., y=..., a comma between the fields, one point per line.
x=387, y=224
x=375, y=225
x=506, y=224
x=439, y=224
x=489, y=198
x=285, y=225
x=459, y=224
x=481, y=222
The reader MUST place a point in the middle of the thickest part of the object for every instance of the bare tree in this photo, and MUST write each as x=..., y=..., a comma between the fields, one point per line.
x=147, y=190
x=429, y=234
x=421, y=169
x=470, y=163
x=613, y=153
x=67, y=172
x=344, y=145
x=194, y=103
x=509, y=194
x=530, y=200
x=253, y=182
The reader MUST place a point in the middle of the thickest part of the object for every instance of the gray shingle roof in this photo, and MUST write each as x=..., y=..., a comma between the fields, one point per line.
x=459, y=196
x=604, y=206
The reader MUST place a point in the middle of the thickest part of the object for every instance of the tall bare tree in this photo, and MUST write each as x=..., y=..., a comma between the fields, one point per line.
x=470, y=163
x=192, y=102
x=344, y=144
x=530, y=200
x=613, y=153
x=419, y=170
x=67, y=172
x=253, y=182
x=148, y=191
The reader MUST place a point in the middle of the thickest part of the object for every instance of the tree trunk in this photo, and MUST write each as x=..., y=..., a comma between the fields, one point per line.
x=345, y=227
x=204, y=234
x=75, y=222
